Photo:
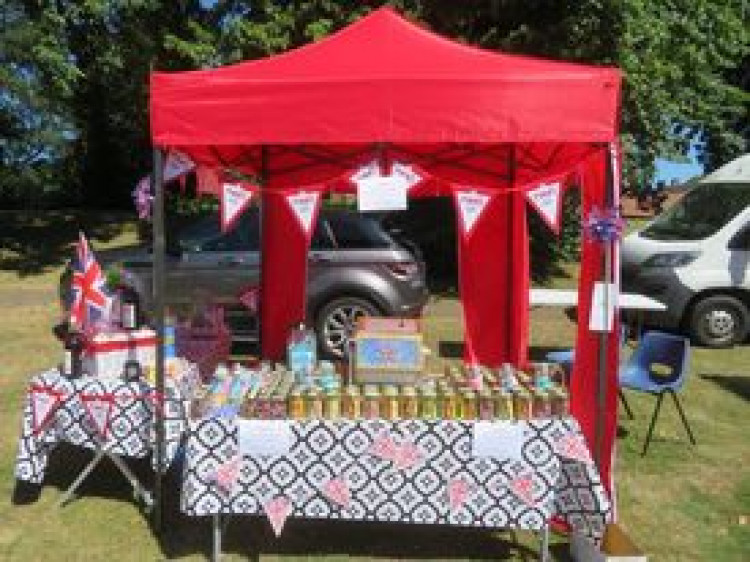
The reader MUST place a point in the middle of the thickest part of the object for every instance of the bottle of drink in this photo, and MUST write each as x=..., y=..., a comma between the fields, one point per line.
x=301, y=353
x=73, y=361
x=128, y=310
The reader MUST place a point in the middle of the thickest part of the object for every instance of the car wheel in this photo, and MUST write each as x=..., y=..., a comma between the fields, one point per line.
x=336, y=322
x=719, y=321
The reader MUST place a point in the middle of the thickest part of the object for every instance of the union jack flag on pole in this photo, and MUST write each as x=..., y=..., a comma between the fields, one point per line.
x=92, y=302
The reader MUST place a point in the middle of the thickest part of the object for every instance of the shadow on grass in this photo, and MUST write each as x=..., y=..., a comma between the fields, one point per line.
x=736, y=384
x=35, y=242
x=250, y=536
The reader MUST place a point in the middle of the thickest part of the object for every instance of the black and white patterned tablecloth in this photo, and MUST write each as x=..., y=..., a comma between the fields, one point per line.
x=131, y=427
x=322, y=450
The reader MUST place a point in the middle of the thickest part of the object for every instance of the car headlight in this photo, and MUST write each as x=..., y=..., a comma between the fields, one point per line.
x=671, y=259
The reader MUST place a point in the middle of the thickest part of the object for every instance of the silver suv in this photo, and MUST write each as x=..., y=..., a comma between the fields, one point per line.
x=354, y=268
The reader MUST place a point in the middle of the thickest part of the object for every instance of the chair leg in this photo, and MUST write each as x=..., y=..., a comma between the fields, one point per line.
x=682, y=415
x=659, y=398
x=625, y=404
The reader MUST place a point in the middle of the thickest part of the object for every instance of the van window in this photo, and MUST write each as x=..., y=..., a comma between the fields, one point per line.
x=700, y=213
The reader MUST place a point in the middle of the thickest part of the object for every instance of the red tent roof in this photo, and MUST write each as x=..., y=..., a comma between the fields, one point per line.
x=384, y=79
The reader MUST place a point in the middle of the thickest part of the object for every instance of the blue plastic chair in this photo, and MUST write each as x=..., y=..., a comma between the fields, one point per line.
x=659, y=365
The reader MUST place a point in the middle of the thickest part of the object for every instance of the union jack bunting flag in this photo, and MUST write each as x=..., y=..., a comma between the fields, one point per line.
x=92, y=301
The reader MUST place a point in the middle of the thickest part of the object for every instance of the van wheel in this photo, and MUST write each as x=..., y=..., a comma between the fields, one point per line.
x=336, y=322
x=719, y=321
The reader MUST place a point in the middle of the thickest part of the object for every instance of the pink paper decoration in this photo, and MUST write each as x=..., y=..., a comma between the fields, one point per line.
x=384, y=447
x=337, y=491
x=277, y=510
x=250, y=297
x=44, y=402
x=99, y=409
x=227, y=474
x=458, y=493
x=523, y=488
x=573, y=446
x=407, y=455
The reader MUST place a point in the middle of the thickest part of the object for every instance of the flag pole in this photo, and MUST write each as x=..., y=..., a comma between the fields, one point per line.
x=159, y=248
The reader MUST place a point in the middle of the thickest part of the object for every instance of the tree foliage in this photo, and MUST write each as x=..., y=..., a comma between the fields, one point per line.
x=74, y=73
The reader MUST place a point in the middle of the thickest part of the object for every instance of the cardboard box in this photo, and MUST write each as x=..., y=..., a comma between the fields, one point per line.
x=105, y=354
x=616, y=546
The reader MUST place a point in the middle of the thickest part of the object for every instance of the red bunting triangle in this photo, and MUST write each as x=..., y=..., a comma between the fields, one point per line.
x=44, y=402
x=99, y=409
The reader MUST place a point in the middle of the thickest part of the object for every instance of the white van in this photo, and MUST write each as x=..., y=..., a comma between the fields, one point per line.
x=694, y=259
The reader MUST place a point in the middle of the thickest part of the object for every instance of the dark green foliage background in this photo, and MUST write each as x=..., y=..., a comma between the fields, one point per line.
x=74, y=76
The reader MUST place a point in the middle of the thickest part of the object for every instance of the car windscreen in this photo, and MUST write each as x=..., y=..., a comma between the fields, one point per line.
x=700, y=213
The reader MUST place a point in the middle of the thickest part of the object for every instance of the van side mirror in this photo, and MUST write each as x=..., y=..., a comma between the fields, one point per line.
x=741, y=240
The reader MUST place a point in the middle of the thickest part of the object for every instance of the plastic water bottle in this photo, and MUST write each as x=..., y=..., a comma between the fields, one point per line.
x=302, y=354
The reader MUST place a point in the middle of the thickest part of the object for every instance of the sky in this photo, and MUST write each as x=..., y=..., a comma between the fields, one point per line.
x=677, y=172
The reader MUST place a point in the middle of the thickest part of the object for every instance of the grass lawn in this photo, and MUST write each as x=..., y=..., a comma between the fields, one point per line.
x=678, y=503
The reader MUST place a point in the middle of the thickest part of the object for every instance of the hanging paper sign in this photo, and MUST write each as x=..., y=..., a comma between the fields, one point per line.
x=470, y=206
x=573, y=446
x=602, y=313
x=227, y=474
x=304, y=205
x=337, y=491
x=44, y=403
x=234, y=200
x=458, y=493
x=177, y=164
x=250, y=297
x=523, y=488
x=99, y=409
x=546, y=198
x=277, y=510
x=376, y=192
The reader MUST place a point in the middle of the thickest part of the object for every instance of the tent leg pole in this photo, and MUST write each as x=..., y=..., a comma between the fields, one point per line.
x=159, y=248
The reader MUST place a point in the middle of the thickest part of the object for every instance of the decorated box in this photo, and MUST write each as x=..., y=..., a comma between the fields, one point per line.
x=105, y=353
x=388, y=358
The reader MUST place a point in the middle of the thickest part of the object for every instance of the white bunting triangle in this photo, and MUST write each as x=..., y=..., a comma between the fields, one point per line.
x=546, y=198
x=44, y=402
x=234, y=200
x=99, y=409
x=177, y=164
x=471, y=205
x=304, y=205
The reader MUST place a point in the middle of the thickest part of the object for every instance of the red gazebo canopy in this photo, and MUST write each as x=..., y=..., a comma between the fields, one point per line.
x=466, y=116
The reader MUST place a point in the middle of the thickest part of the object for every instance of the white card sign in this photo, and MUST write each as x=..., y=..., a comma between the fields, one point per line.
x=602, y=314
x=546, y=199
x=381, y=193
x=304, y=205
x=498, y=440
x=376, y=192
x=471, y=205
x=264, y=438
x=234, y=200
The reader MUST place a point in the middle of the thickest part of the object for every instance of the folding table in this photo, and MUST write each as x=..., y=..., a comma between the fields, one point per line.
x=129, y=430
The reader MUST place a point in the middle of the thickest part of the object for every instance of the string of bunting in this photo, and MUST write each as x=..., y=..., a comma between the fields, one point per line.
x=45, y=400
